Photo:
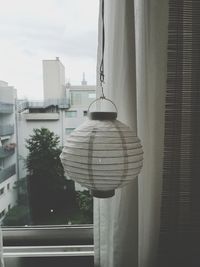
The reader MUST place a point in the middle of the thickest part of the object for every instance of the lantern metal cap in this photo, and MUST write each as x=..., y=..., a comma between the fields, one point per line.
x=100, y=115
x=103, y=194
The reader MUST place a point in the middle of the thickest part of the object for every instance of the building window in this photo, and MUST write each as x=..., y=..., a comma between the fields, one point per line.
x=92, y=96
x=71, y=114
x=68, y=130
x=85, y=113
x=76, y=98
x=8, y=186
x=1, y=191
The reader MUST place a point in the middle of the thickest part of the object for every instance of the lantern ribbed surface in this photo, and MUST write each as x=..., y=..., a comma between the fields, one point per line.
x=102, y=155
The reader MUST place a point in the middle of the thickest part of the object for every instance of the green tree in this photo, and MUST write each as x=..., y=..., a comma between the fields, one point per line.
x=85, y=204
x=49, y=192
x=21, y=187
x=17, y=216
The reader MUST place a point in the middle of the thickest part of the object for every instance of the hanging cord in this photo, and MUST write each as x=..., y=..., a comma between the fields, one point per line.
x=102, y=76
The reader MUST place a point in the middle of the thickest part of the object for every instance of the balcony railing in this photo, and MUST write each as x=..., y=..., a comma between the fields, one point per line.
x=7, y=173
x=6, y=130
x=6, y=108
x=6, y=151
x=48, y=102
x=61, y=103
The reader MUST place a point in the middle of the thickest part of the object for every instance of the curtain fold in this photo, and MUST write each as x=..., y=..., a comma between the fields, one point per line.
x=136, y=46
x=116, y=219
x=112, y=216
x=151, y=61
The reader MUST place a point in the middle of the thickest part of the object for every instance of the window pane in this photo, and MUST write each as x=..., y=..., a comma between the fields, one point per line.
x=1, y=191
x=68, y=130
x=92, y=96
x=82, y=98
x=76, y=99
x=71, y=114
x=40, y=106
x=8, y=186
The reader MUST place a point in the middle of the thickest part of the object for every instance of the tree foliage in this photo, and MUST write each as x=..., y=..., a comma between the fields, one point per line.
x=17, y=216
x=44, y=152
x=45, y=196
x=85, y=203
x=21, y=187
x=48, y=188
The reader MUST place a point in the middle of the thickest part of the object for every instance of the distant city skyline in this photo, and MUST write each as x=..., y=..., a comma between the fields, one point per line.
x=31, y=31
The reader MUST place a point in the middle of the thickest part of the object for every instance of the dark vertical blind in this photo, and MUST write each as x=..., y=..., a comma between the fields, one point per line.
x=179, y=243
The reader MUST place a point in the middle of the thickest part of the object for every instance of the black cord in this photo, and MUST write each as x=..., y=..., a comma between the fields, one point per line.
x=102, y=76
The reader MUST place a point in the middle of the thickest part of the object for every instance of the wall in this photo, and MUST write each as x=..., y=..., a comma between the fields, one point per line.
x=8, y=96
x=10, y=195
x=28, y=121
x=7, y=93
x=53, y=79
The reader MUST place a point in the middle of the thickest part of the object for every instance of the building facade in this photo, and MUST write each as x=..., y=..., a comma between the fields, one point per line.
x=79, y=98
x=8, y=155
x=61, y=114
x=53, y=79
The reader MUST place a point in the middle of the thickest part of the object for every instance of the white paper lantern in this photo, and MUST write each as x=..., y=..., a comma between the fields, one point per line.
x=102, y=154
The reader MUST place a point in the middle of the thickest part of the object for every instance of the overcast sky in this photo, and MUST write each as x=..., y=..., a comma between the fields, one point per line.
x=33, y=30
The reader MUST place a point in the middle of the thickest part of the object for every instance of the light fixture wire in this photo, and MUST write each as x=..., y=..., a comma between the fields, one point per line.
x=101, y=74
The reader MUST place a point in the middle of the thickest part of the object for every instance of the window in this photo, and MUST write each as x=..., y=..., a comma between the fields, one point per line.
x=44, y=30
x=76, y=99
x=92, y=96
x=68, y=130
x=47, y=105
x=71, y=114
x=49, y=246
x=82, y=98
x=44, y=104
x=1, y=191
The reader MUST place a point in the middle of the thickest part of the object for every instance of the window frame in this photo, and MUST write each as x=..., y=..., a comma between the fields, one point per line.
x=46, y=241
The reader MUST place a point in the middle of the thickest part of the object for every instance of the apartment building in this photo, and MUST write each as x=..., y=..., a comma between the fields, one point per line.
x=61, y=111
x=8, y=177
x=79, y=98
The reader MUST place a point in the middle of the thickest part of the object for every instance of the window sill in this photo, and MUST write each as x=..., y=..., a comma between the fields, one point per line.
x=48, y=251
x=62, y=235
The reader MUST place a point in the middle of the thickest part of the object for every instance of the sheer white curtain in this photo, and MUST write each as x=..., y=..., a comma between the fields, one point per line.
x=151, y=61
x=113, y=215
x=1, y=249
x=126, y=226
